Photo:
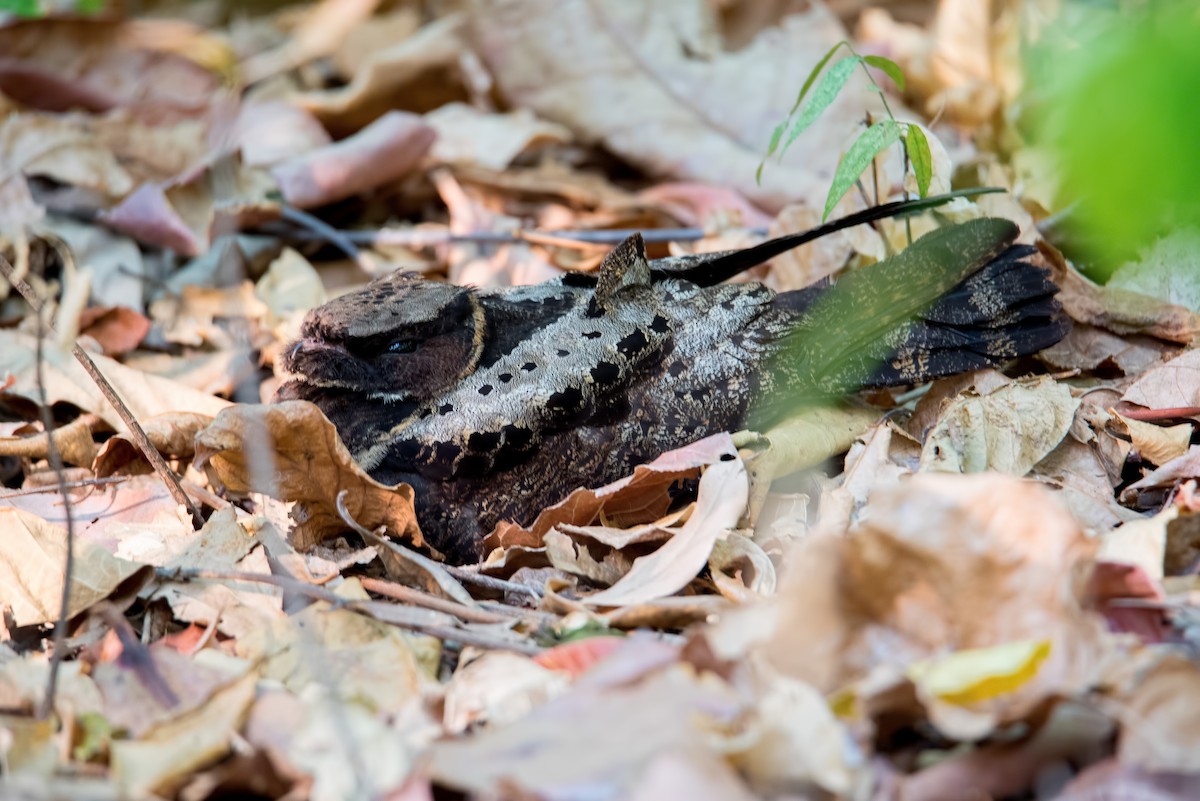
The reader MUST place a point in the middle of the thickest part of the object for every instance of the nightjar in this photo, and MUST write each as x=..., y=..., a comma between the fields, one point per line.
x=495, y=403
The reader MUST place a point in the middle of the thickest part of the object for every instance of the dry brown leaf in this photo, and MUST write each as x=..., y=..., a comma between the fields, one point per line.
x=32, y=564
x=943, y=563
x=187, y=213
x=1140, y=542
x=98, y=65
x=1177, y=470
x=292, y=452
x=57, y=147
x=1117, y=310
x=1087, y=347
x=1161, y=727
x=346, y=653
x=498, y=688
x=387, y=149
x=73, y=441
x=652, y=84
x=741, y=569
x=1009, y=430
x=1171, y=385
x=274, y=131
x=1086, y=488
x=118, y=329
x=324, y=28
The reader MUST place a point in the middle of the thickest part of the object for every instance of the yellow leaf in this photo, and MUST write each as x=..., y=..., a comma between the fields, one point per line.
x=980, y=674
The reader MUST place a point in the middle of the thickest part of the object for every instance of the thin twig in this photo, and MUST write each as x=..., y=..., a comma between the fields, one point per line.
x=85, y=483
x=330, y=234
x=464, y=636
x=411, y=595
x=136, y=432
x=55, y=459
x=468, y=576
x=419, y=238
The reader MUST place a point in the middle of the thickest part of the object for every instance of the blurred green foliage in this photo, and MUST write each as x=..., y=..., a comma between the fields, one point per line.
x=1117, y=99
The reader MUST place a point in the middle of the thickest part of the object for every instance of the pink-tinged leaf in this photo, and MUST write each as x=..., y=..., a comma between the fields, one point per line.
x=384, y=151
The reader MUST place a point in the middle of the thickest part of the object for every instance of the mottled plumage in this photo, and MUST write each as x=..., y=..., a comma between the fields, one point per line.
x=496, y=403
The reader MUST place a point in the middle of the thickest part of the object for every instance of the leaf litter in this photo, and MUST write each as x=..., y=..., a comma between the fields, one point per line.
x=985, y=587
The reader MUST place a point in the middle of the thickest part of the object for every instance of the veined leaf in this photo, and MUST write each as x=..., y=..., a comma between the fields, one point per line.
x=888, y=66
x=922, y=159
x=812, y=76
x=823, y=95
x=874, y=141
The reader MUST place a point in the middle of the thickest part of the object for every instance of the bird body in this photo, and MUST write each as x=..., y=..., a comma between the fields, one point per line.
x=495, y=403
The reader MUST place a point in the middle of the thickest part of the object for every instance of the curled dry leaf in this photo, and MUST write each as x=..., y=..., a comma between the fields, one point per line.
x=499, y=688
x=641, y=497
x=396, y=76
x=188, y=212
x=1157, y=444
x=169, y=753
x=55, y=147
x=1008, y=430
x=384, y=151
x=723, y=493
x=292, y=452
x=172, y=434
x=943, y=563
x=32, y=556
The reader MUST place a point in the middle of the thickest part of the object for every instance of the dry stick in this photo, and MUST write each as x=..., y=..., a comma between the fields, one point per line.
x=461, y=574
x=399, y=592
x=464, y=636
x=87, y=482
x=135, y=429
x=55, y=458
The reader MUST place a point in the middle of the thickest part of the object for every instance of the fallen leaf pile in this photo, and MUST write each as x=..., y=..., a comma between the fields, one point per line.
x=984, y=587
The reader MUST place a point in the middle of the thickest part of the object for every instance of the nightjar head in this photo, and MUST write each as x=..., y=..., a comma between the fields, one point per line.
x=400, y=338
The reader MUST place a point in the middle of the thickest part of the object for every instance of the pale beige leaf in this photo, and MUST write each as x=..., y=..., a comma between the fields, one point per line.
x=1140, y=542
x=466, y=135
x=146, y=395
x=172, y=751
x=32, y=561
x=1171, y=385
x=1157, y=444
x=1009, y=430
x=1168, y=270
x=652, y=83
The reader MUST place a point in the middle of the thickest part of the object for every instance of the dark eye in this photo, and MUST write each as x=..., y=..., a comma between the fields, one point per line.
x=402, y=346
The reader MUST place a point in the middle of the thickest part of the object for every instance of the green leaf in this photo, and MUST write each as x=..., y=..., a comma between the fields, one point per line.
x=825, y=93
x=812, y=76
x=776, y=135
x=922, y=159
x=890, y=67
x=873, y=141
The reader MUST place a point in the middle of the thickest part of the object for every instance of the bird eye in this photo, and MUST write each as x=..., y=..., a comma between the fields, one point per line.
x=402, y=346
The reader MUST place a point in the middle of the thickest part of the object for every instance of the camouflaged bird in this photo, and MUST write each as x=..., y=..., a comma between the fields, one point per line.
x=495, y=403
